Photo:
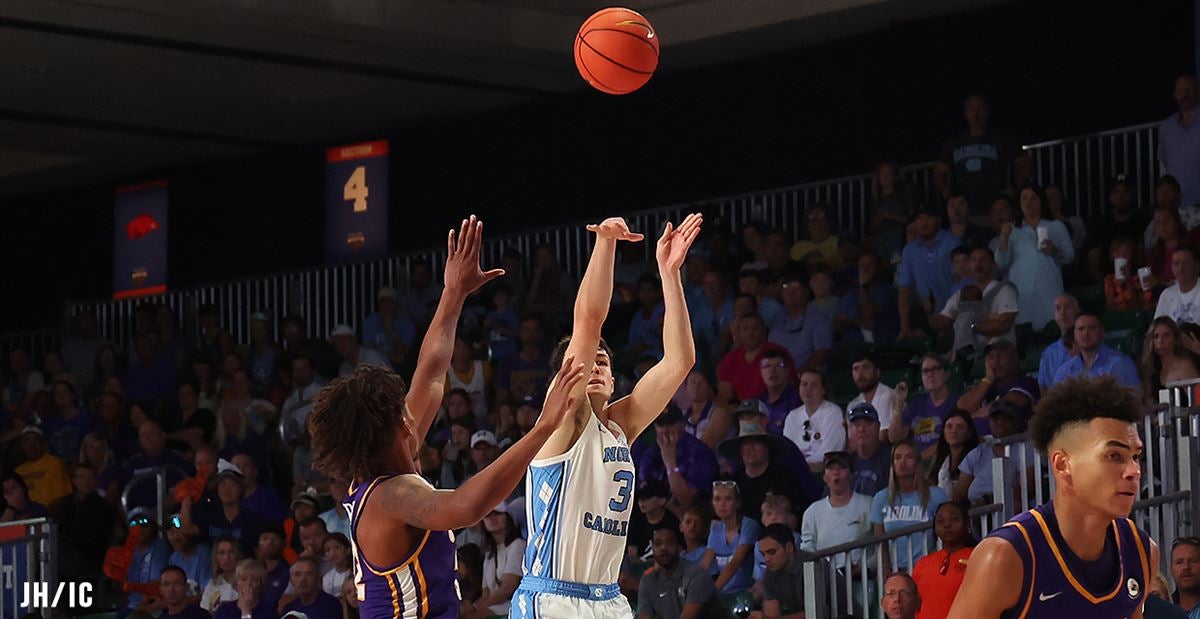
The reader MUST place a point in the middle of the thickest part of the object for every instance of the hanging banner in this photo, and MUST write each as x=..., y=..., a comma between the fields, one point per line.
x=140, y=240
x=356, y=201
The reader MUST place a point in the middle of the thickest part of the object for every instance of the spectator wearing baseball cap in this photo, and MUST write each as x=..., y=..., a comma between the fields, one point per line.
x=388, y=330
x=346, y=343
x=652, y=497
x=761, y=474
x=484, y=450
x=870, y=460
x=225, y=516
x=1003, y=381
x=45, y=474
x=840, y=517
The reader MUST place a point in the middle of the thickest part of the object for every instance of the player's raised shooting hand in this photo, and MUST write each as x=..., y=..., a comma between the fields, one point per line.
x=559, y=401
x=674, y=243
x=462, y=258
x=615, y=228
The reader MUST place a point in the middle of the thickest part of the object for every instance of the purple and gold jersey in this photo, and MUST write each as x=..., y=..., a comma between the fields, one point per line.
x=1056, y=581
x=422, y=586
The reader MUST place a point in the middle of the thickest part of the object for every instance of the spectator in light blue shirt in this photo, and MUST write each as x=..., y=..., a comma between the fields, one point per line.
x=925, y=268
x=1092, y=358
x=387, y=330
x=1179, y=140
x=645, y=330
x=1066, y=310
x=712, y=313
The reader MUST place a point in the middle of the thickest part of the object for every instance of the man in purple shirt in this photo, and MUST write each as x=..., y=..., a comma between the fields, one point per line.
x=1002, y=380
x=260, y=499
x=683, y=461
x=781, y=395
x=154, y=454
x=150, y=379
x=309, y=598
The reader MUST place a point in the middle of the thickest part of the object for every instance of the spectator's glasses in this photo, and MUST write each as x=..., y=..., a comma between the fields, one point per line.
x=1189, y=541
x=139, y=521
x=778, y=364
x=807, y=434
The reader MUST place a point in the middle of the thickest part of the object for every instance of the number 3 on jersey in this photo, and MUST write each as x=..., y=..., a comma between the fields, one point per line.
x=356, y=189
x=625, y=478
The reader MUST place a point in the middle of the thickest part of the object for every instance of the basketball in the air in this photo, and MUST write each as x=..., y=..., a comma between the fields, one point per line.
x=616, y=50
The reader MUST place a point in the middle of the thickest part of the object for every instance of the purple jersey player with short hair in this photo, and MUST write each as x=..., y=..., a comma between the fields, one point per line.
x=367, y=427
x=1078, y=555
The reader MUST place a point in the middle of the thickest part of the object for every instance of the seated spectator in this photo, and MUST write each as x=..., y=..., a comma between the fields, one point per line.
x=789, y=456
x=226, y=515
x=503, y=551
x=867, y=313
x=939, y=574
x=336, y=519
x=44, y=474
x=891, y=209
x=776, y=509
x=23, y=383
x=457, y=408
x=824, y=298
x=804, y=332
x=865, y=372
x=712, y=315
x=781, y=395
x=526, y=373
x=1181, y=301
x=312, y=541
x=260, y=499
x=652, y=497
x=1121, y=220
x=960, y=263
x=222, y=587
x=956, y=439
x=177, y=601
x=1170, y=237
x=250, y=601
x=681, y=460
x=739, y=374
x=762, y=473
x=1178, y=146
x=67, y=423
x=471, y=375
x=751, y=281
x=1002, y=380
x=195, y=559
x=270, y=557
x=870, y=460
x=1066, y=310
x=1094, y=358
x=340, y=556
x=18, y=505
x=1164, y=358
x=645, y=330
x=1122, y=287
x=977, y=323
x=236, y=435
x=1185, y=571
x=153, y=454
x=81, y=346
x=388, y=330
x=150, y=379
x=1032, y=254
x=188, y=426
x=456, y=452
x=706, y=419
x=958, y=222
x=85, y=524
x=1167, y=195
x=469, y=574
x=259, y=413
x=783, y=581
x=817, y=426
x=551, y=291
x=730, y=540
x=309, y=598
x=901, y=600
x=484, y=451
x=149, y=556
x=975, y=478
x=695, y=525
x=345, y=342
x=819, y=244
x=294, y=418
x=263, y=354
x=109, y=476
x=841, y=517
x=907, y=500
x=675, y=588
x=921, y=421
x=924, y=276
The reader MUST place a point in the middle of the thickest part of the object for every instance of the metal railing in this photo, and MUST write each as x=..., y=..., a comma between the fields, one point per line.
x=28, y=554
x=158, y=475
x=331, y=295
x=846, y=578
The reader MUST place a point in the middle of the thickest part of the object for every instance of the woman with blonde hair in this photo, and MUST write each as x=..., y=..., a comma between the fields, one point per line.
x=225, y=557
x=909, y=499
x=252, y=600
x=1165, y=359
x=94, y=451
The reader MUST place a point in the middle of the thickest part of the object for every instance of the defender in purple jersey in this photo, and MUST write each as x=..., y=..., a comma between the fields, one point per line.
x=367, y=428
x=1078, y=555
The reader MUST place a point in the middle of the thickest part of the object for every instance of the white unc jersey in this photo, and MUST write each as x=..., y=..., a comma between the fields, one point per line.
x=578, y=506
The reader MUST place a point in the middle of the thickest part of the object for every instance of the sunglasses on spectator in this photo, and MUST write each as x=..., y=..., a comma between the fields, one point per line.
x=773, y=364
x=807, y=435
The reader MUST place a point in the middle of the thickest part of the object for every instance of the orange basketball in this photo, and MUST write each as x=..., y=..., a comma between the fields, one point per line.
x=616, y=50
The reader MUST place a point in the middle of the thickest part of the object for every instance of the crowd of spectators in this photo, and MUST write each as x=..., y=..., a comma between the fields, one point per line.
x=849, y=383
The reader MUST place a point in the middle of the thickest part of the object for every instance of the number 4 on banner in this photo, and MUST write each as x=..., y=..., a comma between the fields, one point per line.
x=356, y=189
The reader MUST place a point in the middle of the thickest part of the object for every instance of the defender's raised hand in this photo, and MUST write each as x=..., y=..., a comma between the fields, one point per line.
x=560, y=401
x=674, y=243
x=462, y=258
x=615, y=228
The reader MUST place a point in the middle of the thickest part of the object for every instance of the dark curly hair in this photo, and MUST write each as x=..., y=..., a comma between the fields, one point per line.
x=354, y=421
x=1079, y=400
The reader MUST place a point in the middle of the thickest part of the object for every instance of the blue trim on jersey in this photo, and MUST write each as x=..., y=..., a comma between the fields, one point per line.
x=570, y=589
x=540, y=550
